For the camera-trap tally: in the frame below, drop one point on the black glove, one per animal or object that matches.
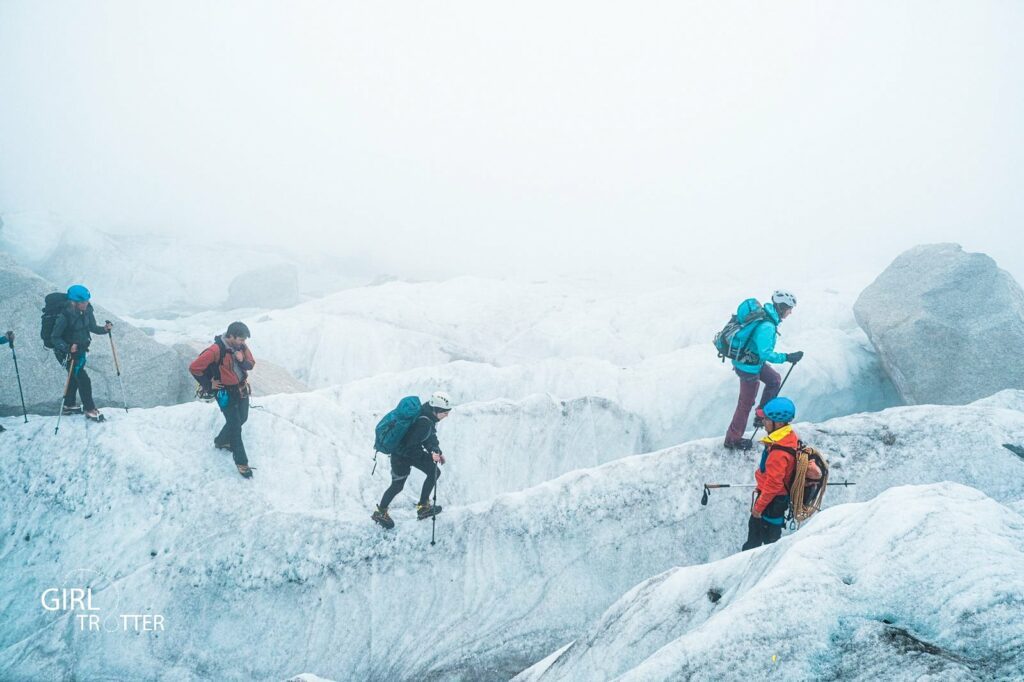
(795, 357)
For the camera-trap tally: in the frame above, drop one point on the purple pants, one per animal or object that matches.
(748, 394)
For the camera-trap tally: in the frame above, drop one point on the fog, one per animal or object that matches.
(439, 138)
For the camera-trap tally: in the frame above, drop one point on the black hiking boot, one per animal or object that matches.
(382, 517)
(71, 409)
(245, 470)
(426, 511)
(221, 446)
(741, 444)
(2, 429)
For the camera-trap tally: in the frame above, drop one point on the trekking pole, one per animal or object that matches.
(64, 398)
(117, 366)
(433, 518)
(708, 487)
(784, 379)
(372, 471)
(18, 374)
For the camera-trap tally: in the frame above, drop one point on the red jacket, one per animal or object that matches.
(775, 473)
(228, 376)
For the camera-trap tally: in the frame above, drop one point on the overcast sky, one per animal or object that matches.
(482, 137)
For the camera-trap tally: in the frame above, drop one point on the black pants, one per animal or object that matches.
(760, 532)
(235, 414)
(80, 383)
(400, 468)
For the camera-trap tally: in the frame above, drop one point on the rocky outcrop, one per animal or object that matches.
(152, 372)
(948, 325)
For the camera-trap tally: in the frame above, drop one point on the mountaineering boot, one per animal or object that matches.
(221, 446)
(2, 429)
(95, 416)
(758, 418)
(425, 511)
(741, 444)
(382, 517)
(71, 409)
(245, 470)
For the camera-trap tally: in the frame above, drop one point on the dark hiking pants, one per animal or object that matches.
(400, 468)
(80, 383)
(235, 414)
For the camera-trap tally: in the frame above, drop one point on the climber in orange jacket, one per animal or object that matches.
(774, 474)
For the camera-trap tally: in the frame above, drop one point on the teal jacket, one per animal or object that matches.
(763, 341)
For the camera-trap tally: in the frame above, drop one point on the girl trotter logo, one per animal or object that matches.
(94, 604)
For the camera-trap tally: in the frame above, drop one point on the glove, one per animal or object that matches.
(10, 336)
(795, 357)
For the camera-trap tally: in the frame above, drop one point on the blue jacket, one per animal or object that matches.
(763, 342)
(3, 339)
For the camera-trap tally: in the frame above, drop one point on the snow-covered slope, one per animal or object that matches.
(922, 582)
(291, 558)
(646, 348)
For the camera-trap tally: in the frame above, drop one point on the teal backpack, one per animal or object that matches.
(725, 340)
(391, 429)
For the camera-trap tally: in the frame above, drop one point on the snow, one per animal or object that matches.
(291, 558)
(646, 348)
(865, 591)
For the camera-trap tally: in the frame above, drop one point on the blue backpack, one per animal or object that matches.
(391, 429)
(726, 342)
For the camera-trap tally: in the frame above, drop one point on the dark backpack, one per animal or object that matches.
(212, 370)
(53, 306)
(725, 340)
(391, 429)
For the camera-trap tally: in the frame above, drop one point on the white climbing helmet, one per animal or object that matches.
(783, 297)
(440, 400)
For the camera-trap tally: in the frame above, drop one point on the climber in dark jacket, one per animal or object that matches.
(419, 448)
(71, 338)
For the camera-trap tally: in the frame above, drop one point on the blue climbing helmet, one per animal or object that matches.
(780, 410)
(77, 293)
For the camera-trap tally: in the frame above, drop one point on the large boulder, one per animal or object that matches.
(274, 286)
(948, 325)
(152, 373)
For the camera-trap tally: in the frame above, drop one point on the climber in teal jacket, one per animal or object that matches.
(758, 337)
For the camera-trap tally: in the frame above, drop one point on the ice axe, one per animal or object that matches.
(708, 487)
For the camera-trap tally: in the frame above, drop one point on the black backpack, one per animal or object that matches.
(212, 370)
(53, 306)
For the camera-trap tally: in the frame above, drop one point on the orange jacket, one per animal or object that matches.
(775, 473)
(228, 377)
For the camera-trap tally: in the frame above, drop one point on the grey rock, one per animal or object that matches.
(275, 286)
(152, 372)
(948, 325)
